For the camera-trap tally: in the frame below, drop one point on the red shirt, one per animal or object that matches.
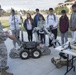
(63, 24)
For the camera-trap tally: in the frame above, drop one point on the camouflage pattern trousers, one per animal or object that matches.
(3, 55)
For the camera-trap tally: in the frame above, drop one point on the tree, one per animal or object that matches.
(59, 9)
(67, 0)
(44, 11)
(75, 2)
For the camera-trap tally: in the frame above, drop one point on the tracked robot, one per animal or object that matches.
(62, 59)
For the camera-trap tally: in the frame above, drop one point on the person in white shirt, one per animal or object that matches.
(14, 25)
(52, 21)
(29, 25)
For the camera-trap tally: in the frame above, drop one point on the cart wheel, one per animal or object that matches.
(36, 54)
(52, 60)
(13, 55)
(58, 65)
(24, 55)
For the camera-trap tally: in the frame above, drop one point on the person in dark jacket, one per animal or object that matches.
(63, 26)
(29, 25)
(36, 19)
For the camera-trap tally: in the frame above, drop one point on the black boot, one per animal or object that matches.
(5, 68)
(3, 72)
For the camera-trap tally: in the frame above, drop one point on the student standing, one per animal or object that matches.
(63, 26)
(36, 19)
(29, 25)
(41, 24)
(73, 21)
(52, 21)
(14, 26)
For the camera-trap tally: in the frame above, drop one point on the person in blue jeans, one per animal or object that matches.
(64, 26)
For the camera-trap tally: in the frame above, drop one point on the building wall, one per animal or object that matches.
(67, 4)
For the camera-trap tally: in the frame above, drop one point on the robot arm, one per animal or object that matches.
(46, 31)
(50, 34)
(35, 29)
(70, 44)
(73, 47)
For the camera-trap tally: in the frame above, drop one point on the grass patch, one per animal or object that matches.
(5, 23)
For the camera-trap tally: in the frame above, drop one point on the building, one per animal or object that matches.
(67, 4)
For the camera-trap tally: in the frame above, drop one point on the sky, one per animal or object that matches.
(29, 4)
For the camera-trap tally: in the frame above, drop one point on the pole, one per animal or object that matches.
(21, 26)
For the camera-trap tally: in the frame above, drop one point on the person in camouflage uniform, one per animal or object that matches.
(3, 50)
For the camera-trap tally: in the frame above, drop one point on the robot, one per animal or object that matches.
(47, 31)
(30, 49)
(62, 60)
(34, 49)
(59, 62)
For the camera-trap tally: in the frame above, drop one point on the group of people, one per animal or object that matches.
(50, 21)
(30, 24)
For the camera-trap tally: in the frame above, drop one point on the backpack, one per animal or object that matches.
(54, 17)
